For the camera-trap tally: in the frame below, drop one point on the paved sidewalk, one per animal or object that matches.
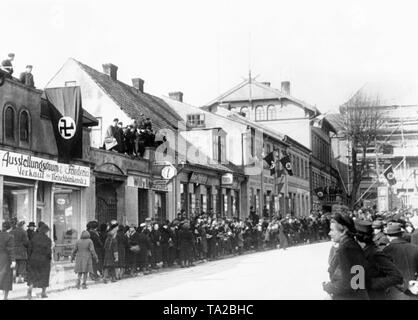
(63, 277)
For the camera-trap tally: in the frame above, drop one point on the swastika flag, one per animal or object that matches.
(390, 175)
(66, 113)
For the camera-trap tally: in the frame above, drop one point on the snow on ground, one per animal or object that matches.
(296, 273)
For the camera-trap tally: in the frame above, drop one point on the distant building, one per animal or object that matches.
(397, 140)
(278, 110)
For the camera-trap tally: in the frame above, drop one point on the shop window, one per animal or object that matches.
(17, 203)
(159, 207)
(66, 226)
(9, 123)
(24, 121)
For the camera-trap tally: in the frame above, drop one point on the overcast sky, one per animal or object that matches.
(327, 49)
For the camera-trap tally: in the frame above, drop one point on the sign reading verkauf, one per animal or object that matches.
(29, 167)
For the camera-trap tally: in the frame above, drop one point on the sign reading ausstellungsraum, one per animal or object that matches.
(30, 167)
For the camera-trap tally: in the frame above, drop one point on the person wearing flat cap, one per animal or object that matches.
(110, 253)
(379, 238)
(347, 255)
(7, 259)
(27, 77)
(404, 256)
(381, 276)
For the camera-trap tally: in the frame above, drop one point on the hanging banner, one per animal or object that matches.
(29, 167)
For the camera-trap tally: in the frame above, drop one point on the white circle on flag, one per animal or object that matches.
(288, 166)
(66, 127)
(391, 176)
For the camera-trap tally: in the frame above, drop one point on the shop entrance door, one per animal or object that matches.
(142, 205)
(106, 202)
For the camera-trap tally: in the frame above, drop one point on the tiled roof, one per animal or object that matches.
(133, 102)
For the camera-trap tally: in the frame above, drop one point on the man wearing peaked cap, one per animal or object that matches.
(379, 238)
(405, 257)
(381, 274)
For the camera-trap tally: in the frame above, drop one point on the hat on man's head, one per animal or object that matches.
(116, 119)
(29, 66)
(378, 224)
(363, 226)
(32, 224)
(21, 223)
(113, 224)
(11, 55)
(394, 229)
(6, 225)
(142, 225)
(345, 221)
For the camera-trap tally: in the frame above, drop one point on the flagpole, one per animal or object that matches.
(361, 197)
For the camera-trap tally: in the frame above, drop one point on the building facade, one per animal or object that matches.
(34, 186)
(278, 110)
(396, 144)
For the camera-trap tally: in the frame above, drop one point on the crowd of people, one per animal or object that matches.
(132, 139)
(382, 247)
(110, 251)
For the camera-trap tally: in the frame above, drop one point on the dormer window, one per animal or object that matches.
(196, 120)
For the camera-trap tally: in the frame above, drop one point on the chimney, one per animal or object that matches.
(111, 70)
(286, 87)
(138, 84)
(266, 84)
(178, 95)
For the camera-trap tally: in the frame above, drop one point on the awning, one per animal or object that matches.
(89, 120)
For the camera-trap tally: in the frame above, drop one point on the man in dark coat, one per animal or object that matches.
(186, 245)
(110, 253)
(166, 235)
(39, 257)
(253, 216)
(98, 248)
(21, 250)
(405, 257)
(31, 230)
(145, 249)
(379, 238)
(381, 273)
(348, 255)
(27, 77)
(7, 259)
(155, 236)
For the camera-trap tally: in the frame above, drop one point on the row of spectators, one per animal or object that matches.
(130, 250)
(132, 139)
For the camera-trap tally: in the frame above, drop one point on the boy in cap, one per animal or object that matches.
(379, 238)
(27, 77)
(111, 252)
(381, 273)
(7, 65)
(405, 257)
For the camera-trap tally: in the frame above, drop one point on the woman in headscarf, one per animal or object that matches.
(40, 255)
(346, 255)
(7, 259)
(83, 254)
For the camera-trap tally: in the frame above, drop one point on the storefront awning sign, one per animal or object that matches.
(138, 182)
(198, 178)
(159, 185)
(227, 179)
(30, 167)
